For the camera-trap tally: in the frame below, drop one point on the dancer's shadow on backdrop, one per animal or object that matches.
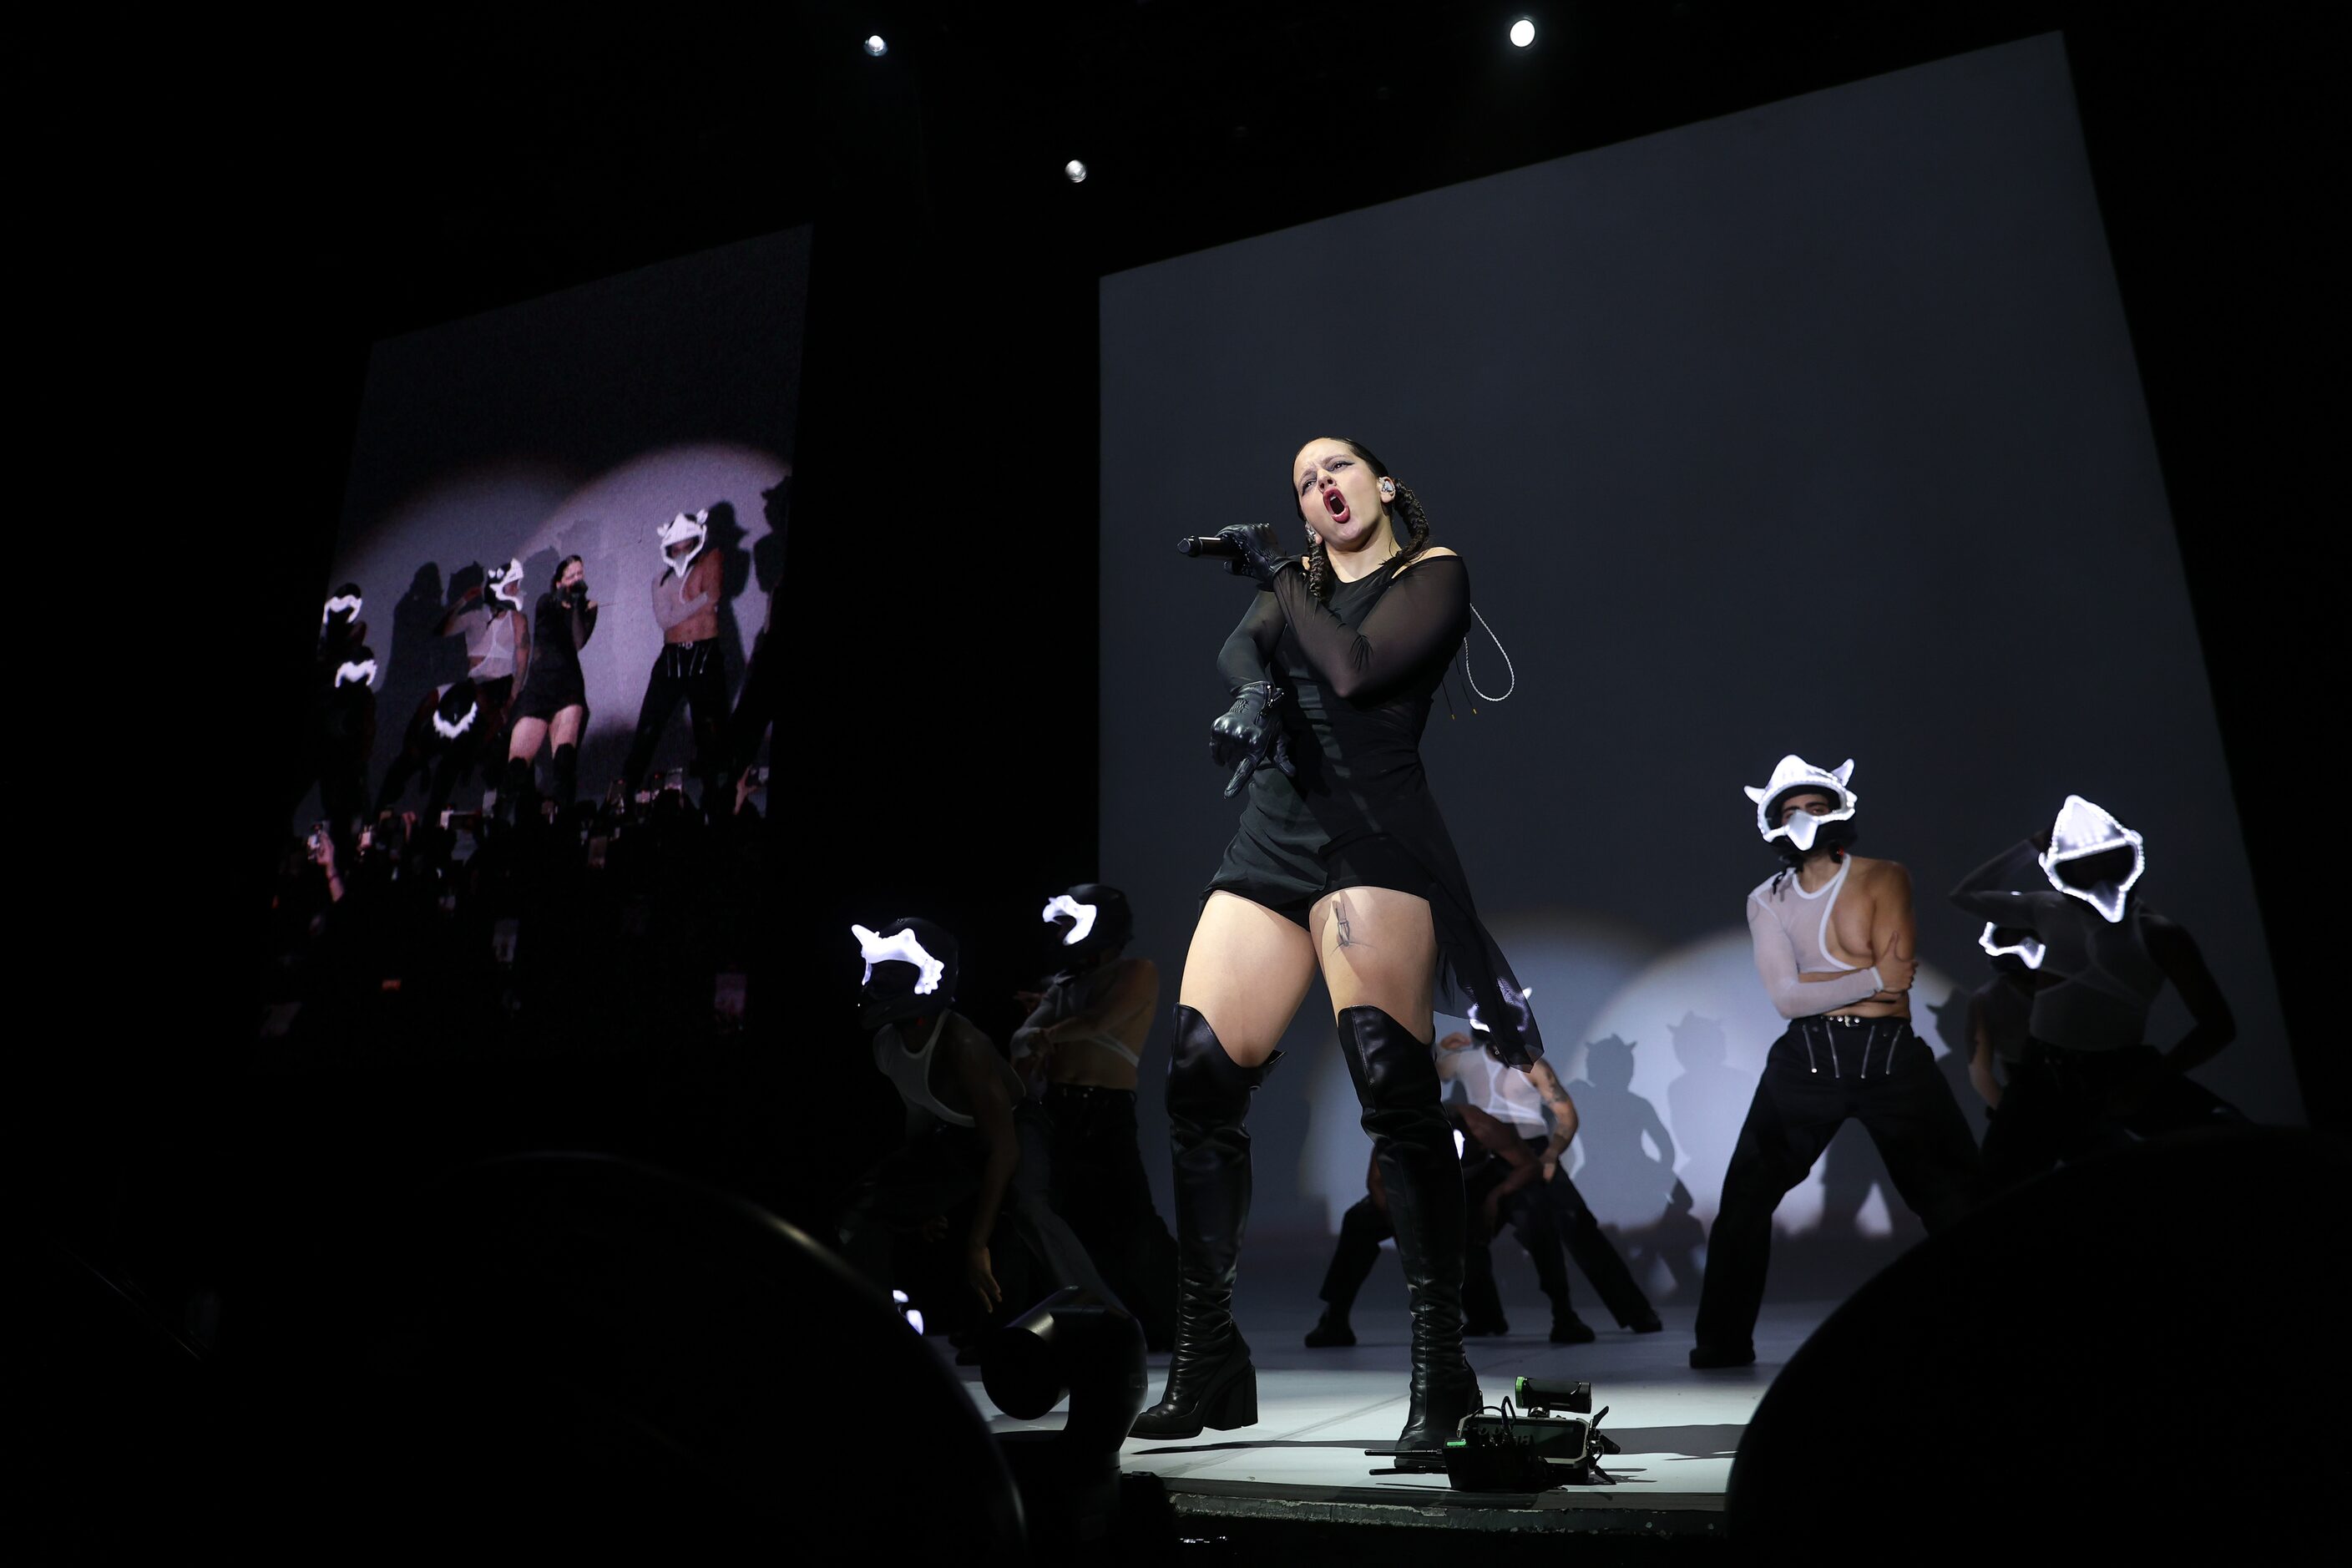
(418, 660)
(1627, 1176)
(735, 576)
(1707, 1101)
(768, 555)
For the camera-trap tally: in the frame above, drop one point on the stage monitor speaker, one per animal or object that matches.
(2137, 1349)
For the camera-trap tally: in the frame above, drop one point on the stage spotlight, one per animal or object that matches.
(1069, 1345)
(1523, 32)
(875, 45)
(1077, 170)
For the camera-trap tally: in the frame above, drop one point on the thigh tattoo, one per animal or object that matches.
(1341, 922)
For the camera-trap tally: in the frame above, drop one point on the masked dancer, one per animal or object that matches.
(1543, 1217)
(554, 702)
(1081, 1047)
(1834, 939)
(1342, 861)
(2084, 1076)
(688, 669)
(457, 726)
(343, 717)
(974, 1147)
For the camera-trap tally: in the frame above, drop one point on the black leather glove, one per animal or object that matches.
(1249, 735)
(1262, 556)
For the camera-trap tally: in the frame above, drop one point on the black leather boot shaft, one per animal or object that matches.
(1397, 1084)
(517, 793)
(1210, 1382)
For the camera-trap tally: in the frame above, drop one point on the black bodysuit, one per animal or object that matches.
(558, 632)
(1359, 675)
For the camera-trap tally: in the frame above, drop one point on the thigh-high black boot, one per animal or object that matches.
(517, 793)
(1210, 1382)
(1397, 1084)
(567, 776)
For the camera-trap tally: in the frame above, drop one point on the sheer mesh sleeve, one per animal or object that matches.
(1248, 654)
(1420, 618)
(1776, 961)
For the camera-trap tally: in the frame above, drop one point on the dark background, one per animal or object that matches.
(1814, 427)
(233, 238)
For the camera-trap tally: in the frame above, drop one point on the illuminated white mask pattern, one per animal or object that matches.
(1793, 774)
(449, 732)
(506, 583)
(2084, 829)
(693, 525)
(899, 948)
(362, 672)
(1516, 1001)
(1083, 914)
(343, 603)
(2029, 948)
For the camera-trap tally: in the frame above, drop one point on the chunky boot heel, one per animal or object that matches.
(1397, 1084)
(1210, 1382)
(1235, 1403)
(1221, 1397)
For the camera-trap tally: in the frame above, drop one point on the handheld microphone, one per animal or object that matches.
(1210, 545)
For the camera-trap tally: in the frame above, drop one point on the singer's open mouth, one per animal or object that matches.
(1336, 504)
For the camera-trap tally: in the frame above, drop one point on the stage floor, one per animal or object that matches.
(1319, 1410)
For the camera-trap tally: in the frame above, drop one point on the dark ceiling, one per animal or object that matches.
(457, 169)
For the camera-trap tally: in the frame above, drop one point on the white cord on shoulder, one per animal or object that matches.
(1508, 668)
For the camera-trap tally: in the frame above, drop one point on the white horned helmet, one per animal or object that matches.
(345, 602)
(910, 969)
(505, 583)
(685, 525)
(1794, 775)
(2087, 844)
(361, 671)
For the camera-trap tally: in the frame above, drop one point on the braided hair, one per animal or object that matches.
(1318, 560)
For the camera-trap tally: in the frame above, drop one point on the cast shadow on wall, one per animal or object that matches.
(1633, 1164)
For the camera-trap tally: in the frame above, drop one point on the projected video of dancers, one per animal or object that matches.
(563, 526)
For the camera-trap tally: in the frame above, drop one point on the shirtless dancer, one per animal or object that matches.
(686, 597)
(1079, 1051)
(1834, 941)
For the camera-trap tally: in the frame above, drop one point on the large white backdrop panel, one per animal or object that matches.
(1815, 428)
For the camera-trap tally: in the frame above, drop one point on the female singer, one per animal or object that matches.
(553, 703)
(1341, 862)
